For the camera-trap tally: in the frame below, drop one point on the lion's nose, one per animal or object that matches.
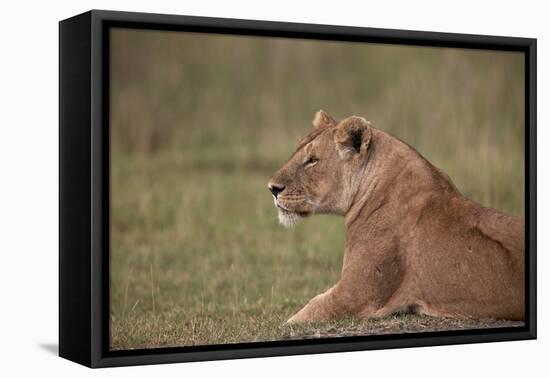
(276, 189)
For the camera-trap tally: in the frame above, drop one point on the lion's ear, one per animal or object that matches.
(322, 119)
(352, 137)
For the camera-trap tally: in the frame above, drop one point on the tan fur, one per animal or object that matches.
(413, 242)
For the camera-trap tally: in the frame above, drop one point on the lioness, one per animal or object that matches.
(414, 243)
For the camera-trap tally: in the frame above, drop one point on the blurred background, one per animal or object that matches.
(200, 122)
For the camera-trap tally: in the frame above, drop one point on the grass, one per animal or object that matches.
(197, 256)
(197, 262)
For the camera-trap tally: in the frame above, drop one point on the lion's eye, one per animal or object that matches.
(311, 161)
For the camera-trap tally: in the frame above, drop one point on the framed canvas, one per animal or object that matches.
(210, 210)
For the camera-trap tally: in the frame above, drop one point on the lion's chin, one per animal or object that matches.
(288, 219)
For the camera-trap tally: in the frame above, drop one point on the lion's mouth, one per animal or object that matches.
(288, 211)
(281, 207)
(288, 217)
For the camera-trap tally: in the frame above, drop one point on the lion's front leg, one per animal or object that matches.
(322, 307)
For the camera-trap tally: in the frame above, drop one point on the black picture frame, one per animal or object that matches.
(84, 187)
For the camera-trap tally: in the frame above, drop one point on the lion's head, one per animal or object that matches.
(323, 174)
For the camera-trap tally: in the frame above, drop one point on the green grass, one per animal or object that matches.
(197, 256)
(198, 260)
